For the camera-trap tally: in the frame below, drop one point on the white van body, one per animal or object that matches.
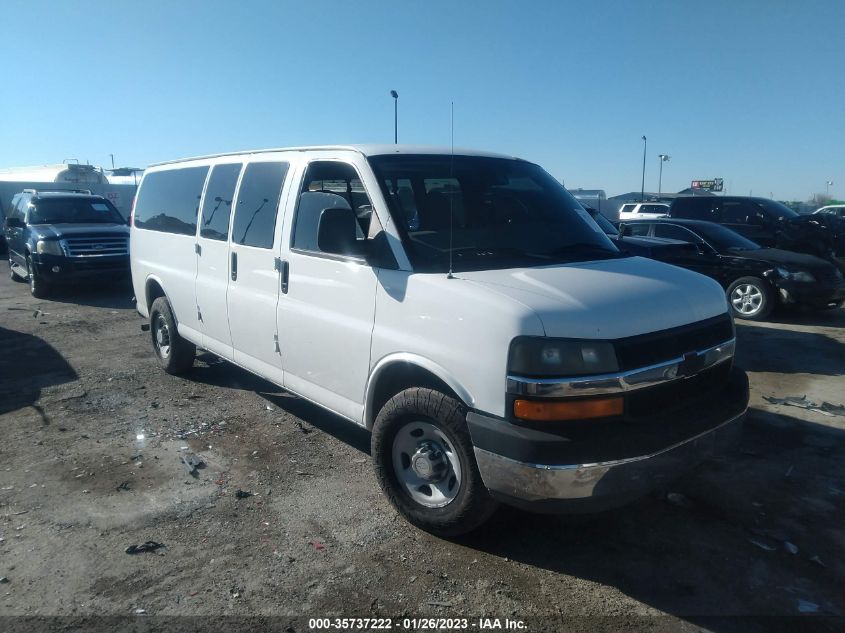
(336, 330)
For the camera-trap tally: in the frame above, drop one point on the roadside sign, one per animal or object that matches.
(714, 184)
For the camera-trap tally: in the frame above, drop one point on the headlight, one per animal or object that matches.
(800, 275)
(49, 247)
(530, 356)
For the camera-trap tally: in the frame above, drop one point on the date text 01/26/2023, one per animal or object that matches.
(415, 624)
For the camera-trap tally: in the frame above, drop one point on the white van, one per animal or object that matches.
(464, 307)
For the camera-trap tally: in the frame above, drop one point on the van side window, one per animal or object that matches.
(327, 185)
(258, 201)
(169, 200)
(217, 206)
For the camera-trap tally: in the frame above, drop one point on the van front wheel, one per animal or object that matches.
(173, 353)
(424, 462)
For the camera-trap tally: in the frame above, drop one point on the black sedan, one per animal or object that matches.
(754, 278)
(641, 246)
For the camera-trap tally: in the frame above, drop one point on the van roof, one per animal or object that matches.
(366, 150)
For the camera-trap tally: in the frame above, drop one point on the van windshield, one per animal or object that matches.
(74, 211)
(481, 213)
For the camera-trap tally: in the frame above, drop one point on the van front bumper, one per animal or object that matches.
(589, 479)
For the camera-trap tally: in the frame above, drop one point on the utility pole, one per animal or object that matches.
(663, 158)
(395, 96)
(642, 189)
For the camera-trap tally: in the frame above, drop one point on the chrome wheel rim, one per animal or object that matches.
(161, 336)
(426, 464)
(747, 299)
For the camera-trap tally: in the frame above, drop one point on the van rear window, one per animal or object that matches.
(169, 200)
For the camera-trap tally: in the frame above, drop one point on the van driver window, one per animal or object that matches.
(327, 185)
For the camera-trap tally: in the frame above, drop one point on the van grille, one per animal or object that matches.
(658, 347)
(97, 246)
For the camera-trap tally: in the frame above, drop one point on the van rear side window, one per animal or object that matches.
(258, 200)
(217, 206)
(169, 200)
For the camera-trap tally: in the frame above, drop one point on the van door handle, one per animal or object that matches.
(284, 269)
(234, 266)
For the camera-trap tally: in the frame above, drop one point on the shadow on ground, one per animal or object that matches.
(27, 365)
(116, 295)
(213, 371)
(793, 315)
(767, 349)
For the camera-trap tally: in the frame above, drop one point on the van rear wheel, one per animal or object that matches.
(424, 462)
(173, 353)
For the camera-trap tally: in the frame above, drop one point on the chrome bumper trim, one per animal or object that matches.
(675, 369)
(611, 482)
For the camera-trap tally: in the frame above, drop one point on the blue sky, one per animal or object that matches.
(753, 92)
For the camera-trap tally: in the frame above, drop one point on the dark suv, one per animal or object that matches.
(59, 236)
(766, 222)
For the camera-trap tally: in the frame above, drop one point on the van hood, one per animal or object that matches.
(608, 299)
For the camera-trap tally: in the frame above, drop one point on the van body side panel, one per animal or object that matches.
(176, 271)
(253, 287)
(326, 318)
(213, 259)
(457, 325)
(169, 258)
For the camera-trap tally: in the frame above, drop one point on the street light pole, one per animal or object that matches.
(663, 158)
(395, 96)
(642, 190)
(827, 188)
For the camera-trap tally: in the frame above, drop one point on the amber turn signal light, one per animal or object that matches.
(551, 411)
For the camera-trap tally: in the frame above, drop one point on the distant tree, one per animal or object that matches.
(820, 199)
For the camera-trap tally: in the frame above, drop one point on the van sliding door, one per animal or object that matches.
(253, 286)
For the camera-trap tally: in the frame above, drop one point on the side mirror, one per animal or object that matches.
(14, 223)
(336, 232)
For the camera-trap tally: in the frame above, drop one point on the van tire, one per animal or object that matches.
(38, 288)
(174, 354)
(759, 291)
(472, 504)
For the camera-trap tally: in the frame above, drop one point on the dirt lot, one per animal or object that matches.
(89, 465)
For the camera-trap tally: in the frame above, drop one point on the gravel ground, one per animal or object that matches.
(90, 464)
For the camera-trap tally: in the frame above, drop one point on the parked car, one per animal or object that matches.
(640, 245)
(755, 278)
(3, 250)
(631, 210)
(832, 209)
(56, 237)
(766, 222)
(480, 324)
